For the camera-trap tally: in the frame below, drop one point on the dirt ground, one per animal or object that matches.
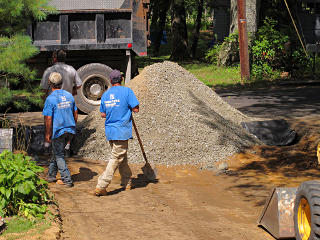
(186, 202)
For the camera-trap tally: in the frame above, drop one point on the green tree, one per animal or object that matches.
(15, 47)
(196, 33)
(179, 31)
(159, 15)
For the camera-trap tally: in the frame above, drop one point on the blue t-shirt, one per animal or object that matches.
(117, 104)
(60, 105)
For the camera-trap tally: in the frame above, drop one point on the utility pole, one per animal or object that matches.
(243, 41)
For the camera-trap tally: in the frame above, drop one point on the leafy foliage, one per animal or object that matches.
(5, 97)
(16, 48)
(12, 57)
(273, 53)
(21, 189)
(228, 51)
(16, 15)
(300, 63)
(26, 100)
(233, 38)
(191, 6)
(268, 51)
(213, 53)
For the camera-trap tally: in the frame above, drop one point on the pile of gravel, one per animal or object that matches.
(181, 121)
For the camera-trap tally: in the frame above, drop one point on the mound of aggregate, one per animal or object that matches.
(181, 121)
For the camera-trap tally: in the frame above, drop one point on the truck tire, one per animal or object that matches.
(307, 211)
(95, 81)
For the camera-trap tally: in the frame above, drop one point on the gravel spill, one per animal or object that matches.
(181, 121)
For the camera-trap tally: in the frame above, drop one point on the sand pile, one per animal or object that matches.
(181, 121)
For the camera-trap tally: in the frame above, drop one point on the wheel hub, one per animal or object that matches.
(95, 89)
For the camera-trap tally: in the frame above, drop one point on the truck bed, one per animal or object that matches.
(94, 25)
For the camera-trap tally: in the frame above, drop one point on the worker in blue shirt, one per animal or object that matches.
(117, 105)
(60, 115)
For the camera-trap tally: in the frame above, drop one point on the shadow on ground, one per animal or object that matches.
(85, 174)
(257, 170)
(139, 182)
(285, 101)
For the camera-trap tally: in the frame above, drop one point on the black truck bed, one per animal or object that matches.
(93, 25)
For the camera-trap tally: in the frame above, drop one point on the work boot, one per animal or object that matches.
(100, 192)
(60, 182)
(127, 186)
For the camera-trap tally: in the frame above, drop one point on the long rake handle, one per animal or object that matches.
(139, 140)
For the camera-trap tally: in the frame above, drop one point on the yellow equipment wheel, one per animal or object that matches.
(318, 153)
(304, 219)
(307, 211)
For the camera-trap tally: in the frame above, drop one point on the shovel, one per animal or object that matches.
(149, 173)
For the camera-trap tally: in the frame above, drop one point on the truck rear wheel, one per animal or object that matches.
(95, 81)
(307, 211)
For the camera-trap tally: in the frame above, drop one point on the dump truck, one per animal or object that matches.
(98, 36)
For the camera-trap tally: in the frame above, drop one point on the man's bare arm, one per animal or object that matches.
(75, 90)
(75, 115)
(48, 131)
(103, 115)
(135, 109)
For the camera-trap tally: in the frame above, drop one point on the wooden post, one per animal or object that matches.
(243, 41)
(128, 71)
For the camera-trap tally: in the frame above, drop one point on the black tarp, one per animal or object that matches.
(271, 132)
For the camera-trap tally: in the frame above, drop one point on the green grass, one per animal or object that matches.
(17, 227)
(19, 224)
(214, 76)
(142, 62)
(209, 74)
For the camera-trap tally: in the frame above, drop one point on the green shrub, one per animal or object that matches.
(213, 53)
(264, 72)
(272, 52)
(21, 189)
(300, 63)
(269, 55)
(234, 40)
(226, 53)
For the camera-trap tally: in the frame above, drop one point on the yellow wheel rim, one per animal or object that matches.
(318, 153)
(304, 219)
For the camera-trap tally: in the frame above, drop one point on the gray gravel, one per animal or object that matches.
(181, 121)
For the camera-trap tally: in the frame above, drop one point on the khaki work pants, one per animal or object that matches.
(118, 159)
